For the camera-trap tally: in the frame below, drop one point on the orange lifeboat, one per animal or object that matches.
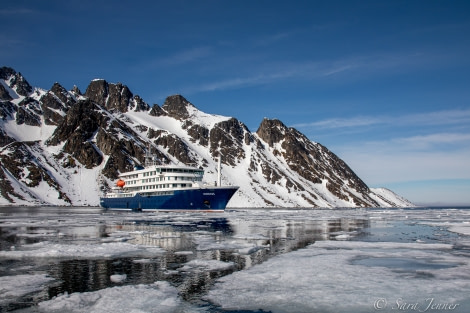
(120, 183)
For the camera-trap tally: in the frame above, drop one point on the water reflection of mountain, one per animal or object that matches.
(197, 250)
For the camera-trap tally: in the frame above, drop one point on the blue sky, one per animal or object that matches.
(383, 84)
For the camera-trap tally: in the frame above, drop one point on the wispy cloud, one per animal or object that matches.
(243, 81)
(434, 139)
(404, 159)
(358, 121)
(252, 69)
(425, 146)
(275, 38)
(447, 117)
(183, 57)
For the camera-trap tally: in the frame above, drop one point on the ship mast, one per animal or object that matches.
(150, 159)
(219, 173)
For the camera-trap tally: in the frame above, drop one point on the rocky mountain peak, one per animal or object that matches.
(114, 97)
(271, 131)
(93, 141)
(76, 91)
(17, 81)
(55, 103)
(157, 111)
(177, 107)
(6, 72)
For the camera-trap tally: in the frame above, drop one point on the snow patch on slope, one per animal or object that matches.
(387, 198)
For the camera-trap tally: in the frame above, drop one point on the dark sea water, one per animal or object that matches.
(80, 250)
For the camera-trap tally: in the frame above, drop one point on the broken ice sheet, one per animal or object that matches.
(324, 278)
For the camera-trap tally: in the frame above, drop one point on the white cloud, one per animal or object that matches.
(342, 122)
(409, 158)
(377, 168)
(447, 117)
(431, 140)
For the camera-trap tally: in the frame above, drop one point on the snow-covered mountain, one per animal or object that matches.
(60, 147)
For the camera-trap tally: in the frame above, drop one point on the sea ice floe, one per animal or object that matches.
(183, 252)
(143, 261)
(326, 277)
(154, 298)
(206, 265)
(250, 250)
(14, 286)
(91, 250)
(118, 278)
(208, 242)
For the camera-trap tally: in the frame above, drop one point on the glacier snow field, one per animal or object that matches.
(57, 259)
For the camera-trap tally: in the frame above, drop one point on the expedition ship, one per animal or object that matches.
(167, 188)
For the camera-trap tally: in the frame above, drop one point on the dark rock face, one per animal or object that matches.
(97, 91)
(119, 97)
(157, 111)
(228, 138)
(19, 160)
(139, 104)
(175, 146)
(6, 190)
(77, 129)
(176, 106)
(312, 161)
(17, 81)
(82, 117)
(6, 72)
(271, 131)
(76, 91)
(198, 133)
(55, 103)
(29, 112)
(88, 132)
(62, 94)
(114, 97)
(7, 110)
(5, 139)
(4, 94)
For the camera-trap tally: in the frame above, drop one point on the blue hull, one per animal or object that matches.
(205, 199)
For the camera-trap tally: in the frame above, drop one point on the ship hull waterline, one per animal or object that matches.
(212, 199)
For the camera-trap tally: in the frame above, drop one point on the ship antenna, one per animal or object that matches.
(150, 159)
(219, 170)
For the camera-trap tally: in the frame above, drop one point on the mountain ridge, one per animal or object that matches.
(53, 140)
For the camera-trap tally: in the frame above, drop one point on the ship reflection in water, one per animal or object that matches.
(196, 250)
